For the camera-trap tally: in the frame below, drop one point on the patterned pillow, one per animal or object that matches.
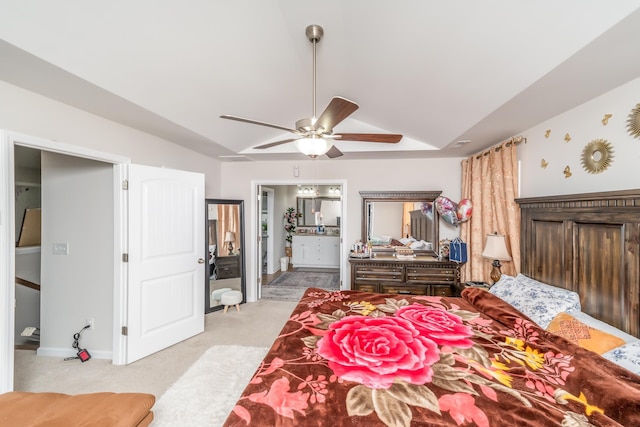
(539, 301)
(627, 356)
(583, 335)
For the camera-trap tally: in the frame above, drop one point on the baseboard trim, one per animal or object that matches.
(65, 352)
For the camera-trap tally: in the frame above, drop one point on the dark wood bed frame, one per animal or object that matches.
(588, 243)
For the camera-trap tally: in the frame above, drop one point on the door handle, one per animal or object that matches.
(200, 261)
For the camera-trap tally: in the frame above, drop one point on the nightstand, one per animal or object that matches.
(228, 266)
(473, 284)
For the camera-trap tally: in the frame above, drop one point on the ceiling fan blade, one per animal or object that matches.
(255, 122)
(334, 152)
(338, 109)
(273, 144)
(389, 138)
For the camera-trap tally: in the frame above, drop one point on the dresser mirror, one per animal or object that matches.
(394, 218)
(225, 247)
(316, 211)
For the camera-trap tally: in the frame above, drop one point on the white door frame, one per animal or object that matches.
(7, 238)
(271, 261)
(254, 212)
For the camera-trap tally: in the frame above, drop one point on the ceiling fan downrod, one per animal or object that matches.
(314, 34)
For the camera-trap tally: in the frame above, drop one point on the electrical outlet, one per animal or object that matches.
(90, 322)
(61, 249)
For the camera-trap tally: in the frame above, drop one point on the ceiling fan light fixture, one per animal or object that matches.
(314, 146)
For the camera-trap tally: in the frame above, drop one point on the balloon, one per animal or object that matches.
(444, 205)
(452, 212)
(464, 210)
(447, 209)
(427, 209)
(450, 217)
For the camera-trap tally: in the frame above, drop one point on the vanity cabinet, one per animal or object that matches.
(316, 251)
(421, 276)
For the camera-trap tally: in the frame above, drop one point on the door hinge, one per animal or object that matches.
(125, 257)
(125, 331)
(125, 184)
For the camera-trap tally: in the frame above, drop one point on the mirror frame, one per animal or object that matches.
(401, 196)
(241, 256)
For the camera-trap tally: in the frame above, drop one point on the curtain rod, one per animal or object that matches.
(515, 140)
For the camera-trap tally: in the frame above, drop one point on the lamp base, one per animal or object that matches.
(230, 248)
(495, 271)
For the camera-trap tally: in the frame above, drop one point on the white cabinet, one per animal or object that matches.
(316, 251)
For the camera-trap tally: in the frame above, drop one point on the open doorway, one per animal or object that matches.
(315, 244)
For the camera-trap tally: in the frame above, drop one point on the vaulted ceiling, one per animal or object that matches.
(437, 72)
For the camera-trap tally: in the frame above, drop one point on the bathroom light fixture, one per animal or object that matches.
(313, 146)
(495, 248)
(229, 238)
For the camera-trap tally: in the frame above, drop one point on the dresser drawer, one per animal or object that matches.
(443, 290)
(366, 287)
(430, 275)
(366, 274)
(391, 288)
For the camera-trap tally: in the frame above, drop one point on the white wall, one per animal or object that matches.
(360, 175)
(77, 286)
(31, 114)
(583, 124)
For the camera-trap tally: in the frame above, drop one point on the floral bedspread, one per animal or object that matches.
(351, 358)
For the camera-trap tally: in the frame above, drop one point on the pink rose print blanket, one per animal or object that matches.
(352, 358)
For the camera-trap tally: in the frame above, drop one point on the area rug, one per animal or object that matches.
(208, 391)
(290, 286)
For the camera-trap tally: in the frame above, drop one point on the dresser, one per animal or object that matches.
(424, 275)
(228, 266)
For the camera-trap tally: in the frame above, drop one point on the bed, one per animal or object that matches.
(350, 358)
(519, 354)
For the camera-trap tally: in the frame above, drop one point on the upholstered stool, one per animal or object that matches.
(230, 298)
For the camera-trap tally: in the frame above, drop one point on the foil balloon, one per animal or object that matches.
(447, 209)
(450, 217)
(427, 209)
(464, 210)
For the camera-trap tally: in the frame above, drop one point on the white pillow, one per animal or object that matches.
(627, 356)
(539, 301)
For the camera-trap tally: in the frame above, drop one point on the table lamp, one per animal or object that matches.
(495, 248)
(229, 238)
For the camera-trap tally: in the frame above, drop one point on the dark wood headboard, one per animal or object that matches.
(588, 243)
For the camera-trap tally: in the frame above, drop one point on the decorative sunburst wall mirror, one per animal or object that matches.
(633, 122)
(597, 156)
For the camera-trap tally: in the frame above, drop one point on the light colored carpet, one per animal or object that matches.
(257, 324)
(290, 286)
(207, 392)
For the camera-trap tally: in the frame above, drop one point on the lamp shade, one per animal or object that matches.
(230, 236)
(313, 147)
(496, 248)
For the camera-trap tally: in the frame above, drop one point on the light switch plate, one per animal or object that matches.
(61, 249)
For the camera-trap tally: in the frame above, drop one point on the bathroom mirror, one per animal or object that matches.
(319, 211)
(225, 269)
(391, 217)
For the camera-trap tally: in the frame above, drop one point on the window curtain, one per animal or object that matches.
(406, 231)
(490, 181)
(228, 220)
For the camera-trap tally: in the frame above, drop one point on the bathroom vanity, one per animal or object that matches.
(316, 250)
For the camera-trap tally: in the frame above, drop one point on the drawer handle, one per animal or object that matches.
(404, 292)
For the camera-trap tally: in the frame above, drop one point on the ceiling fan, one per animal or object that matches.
(315, 135)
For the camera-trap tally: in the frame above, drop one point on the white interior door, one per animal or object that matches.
(165, 296)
